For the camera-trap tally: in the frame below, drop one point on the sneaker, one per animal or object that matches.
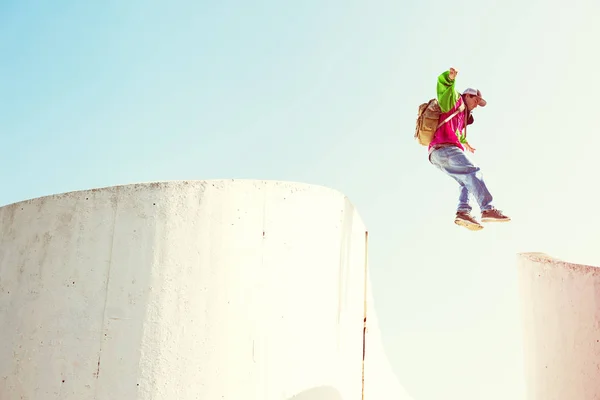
(465, 219)
(494, 215)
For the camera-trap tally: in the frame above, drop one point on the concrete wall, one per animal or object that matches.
(561, 317)
(222, 290)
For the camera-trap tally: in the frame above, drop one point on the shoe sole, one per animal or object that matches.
(495, 220)
(469, 225)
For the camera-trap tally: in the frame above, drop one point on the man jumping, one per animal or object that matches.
(446, 151)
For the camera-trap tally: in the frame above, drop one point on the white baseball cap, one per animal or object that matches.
(476, 92)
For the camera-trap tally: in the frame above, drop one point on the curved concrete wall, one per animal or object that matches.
(561, 317)
(225, 289)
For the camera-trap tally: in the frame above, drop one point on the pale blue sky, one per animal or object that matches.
(326, 92)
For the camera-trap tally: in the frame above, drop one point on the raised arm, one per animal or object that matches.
(447, 95)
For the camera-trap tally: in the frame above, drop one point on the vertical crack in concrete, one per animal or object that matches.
(110, 262)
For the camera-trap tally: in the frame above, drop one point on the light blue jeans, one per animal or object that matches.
(453, 161)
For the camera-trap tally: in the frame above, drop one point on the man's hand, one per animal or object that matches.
(469, 148)
(453, 73)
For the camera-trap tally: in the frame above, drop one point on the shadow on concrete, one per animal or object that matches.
(318, 393)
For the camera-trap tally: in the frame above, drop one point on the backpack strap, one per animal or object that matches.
(461, 108)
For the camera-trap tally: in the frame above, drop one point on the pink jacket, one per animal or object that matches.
(452, 132)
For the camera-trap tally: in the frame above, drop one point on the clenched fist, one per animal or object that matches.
(453, 73)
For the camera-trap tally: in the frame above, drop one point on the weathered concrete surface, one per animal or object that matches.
(561, 317)
(224, 289)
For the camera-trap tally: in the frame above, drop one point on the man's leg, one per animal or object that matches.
(463, 199)
(455, 163)
(463, 211)
(463, 170)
